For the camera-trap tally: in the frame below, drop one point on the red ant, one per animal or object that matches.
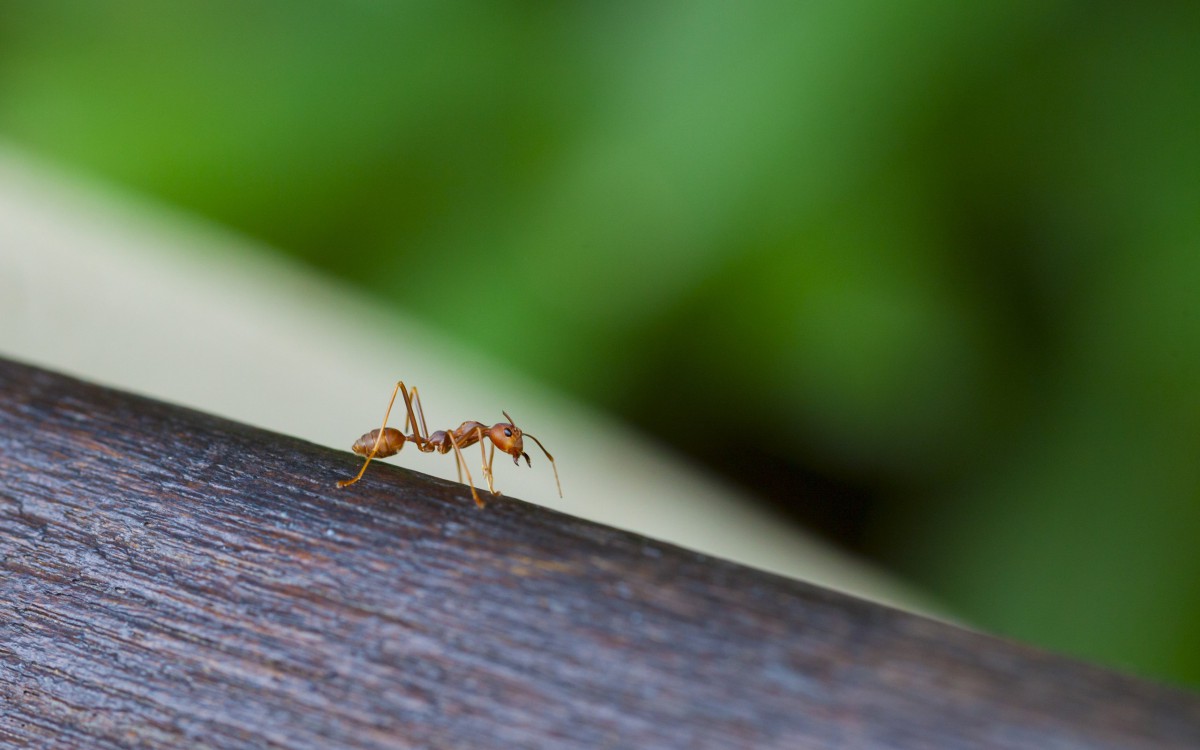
(387, 441)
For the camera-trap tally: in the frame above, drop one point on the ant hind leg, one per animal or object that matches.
(378, 440)
(420, 410)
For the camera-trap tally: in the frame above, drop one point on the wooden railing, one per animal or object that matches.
(171, 579)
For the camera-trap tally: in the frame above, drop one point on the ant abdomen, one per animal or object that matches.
(390, 445)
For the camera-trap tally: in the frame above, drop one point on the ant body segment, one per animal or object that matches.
(388, 441)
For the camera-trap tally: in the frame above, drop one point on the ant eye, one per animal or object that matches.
(507, 432)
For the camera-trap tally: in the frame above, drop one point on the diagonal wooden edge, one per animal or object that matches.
(174, 579)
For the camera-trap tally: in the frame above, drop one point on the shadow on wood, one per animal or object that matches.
(174, 579)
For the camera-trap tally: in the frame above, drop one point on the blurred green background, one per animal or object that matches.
(921, 275)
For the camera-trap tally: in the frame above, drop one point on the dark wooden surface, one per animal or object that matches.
(171, 579)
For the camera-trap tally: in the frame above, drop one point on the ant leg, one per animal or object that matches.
(487, 465)
(422, 441)
(416, 398)
(379, 439)
(491, 457)
(462, 463)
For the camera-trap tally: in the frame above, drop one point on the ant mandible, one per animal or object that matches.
(387, 441)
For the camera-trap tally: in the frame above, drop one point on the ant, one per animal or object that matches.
(387, 441)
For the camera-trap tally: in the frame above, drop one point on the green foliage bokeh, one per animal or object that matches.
(946, 251)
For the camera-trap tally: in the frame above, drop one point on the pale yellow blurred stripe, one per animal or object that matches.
(117, 291)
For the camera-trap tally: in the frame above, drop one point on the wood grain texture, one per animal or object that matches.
(171, 579)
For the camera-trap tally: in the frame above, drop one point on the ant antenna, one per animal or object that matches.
(539, 442)
(552, 464)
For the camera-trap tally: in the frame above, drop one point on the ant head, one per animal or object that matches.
(507, 437)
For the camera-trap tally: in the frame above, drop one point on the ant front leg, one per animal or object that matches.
(487, 460)
(491, 458)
